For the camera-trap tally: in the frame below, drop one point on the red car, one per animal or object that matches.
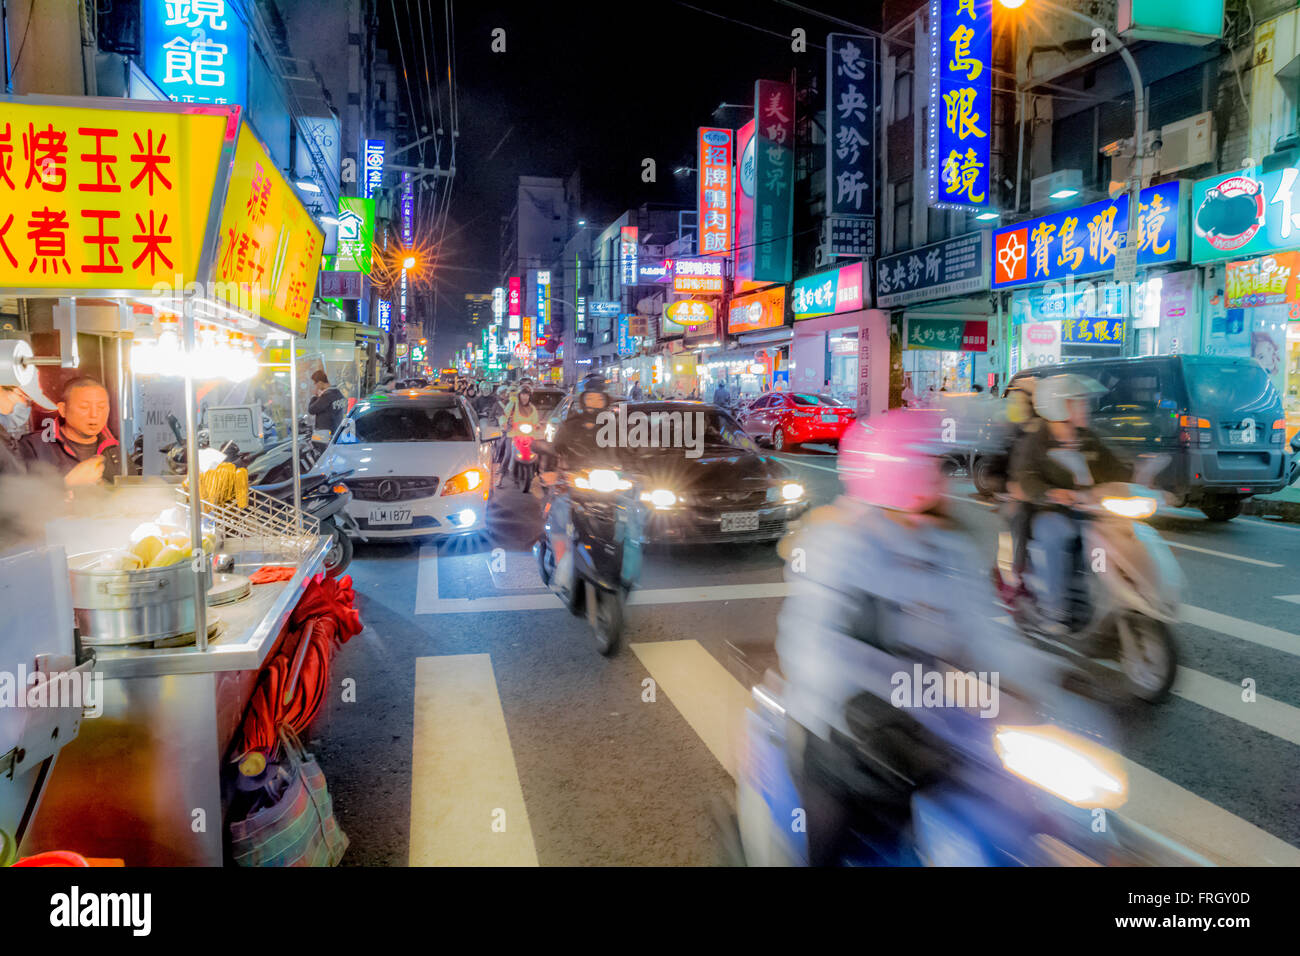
(787, 419)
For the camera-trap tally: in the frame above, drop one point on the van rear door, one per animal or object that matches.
(1239, 401)
(1138, 413)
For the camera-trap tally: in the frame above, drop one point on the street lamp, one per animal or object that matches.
(1139, 101)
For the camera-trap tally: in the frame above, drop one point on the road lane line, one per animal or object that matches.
(548, 601)
(806, 464)
(1279, 525)
(971, 501)
(711, 700)
(1223, 697)
(463, 770)
(1223, 554)
(1260, 634)
(426, 580)
(1293, 598)
(1200, 825)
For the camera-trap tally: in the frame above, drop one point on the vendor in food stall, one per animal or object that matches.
(80, 446)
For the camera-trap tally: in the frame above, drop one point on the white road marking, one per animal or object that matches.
(1279, 525)
(713, 703)
(1293, 598)
(467, 806)
(971, 501)
(1223, 697)
(704, 693)
(1223, 554)
(806, 464)
(1260, 634)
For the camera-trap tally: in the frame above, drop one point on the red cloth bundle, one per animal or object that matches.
(324, 618)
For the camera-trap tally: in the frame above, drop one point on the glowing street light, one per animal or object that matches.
(408, 262)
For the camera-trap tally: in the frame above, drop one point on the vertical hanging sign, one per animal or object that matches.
(851, 124)
(745, 230)
(773, 180)
(716, 193)
(961, 102)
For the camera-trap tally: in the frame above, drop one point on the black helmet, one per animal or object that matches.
(592, 382)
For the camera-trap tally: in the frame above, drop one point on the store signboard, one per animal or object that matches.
(1087, 300)
(516, 299)
(385, 315)
(340, 285)
(698, 275)
(941, 270)
(851, 62)
(97, 199)
(627, 256)
(849, 236)
(773, 181)
(1093, 331)
(269, 245)
(961, 103)
(625, 344)
(758, 310)
(716, 194)
(374, 167)
(603, 308)
(356, 234)
(948, 335)
(498, 304)
(746, 164)
(197, 52)
(1194, 22)
(1268, 280)
(1244, 213)
(826, 293)
(1084, 241)
(689, 312)
(655, 270)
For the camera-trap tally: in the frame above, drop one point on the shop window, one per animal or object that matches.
(903, 87)
(903, 216)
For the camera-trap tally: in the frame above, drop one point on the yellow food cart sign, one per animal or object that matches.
(105, 199)
(269, 249)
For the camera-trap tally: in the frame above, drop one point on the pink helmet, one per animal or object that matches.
(892, 462)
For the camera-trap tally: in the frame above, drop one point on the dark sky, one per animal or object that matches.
(596, 87)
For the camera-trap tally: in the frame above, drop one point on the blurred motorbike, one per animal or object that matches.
(1123, 609)
(1014, 791)
(523, 460)
(589, 552)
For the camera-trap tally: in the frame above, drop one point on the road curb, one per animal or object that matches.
(1272, 508)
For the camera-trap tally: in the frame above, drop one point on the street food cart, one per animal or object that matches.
(174, 219)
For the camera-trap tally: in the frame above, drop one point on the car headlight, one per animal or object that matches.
(791, 491)
(467, 480)
(1136, 507)
(1076, 770)
(601, 479)
(660, 498)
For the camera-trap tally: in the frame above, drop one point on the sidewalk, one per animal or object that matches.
(1285, 504)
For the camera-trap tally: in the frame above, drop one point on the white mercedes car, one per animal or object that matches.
(420, 463)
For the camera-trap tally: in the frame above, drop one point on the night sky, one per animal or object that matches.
(596, 87)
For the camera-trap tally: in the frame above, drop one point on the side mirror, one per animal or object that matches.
(1295, 443)
(489, 431)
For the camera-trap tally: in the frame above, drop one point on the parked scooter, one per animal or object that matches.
(326, 499)
(1126, 590)
(589, 552)
(1008, 792)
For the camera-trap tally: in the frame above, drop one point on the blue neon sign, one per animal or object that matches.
(961, 102)
(195, 50)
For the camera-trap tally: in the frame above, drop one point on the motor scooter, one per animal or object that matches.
(589, 551)
(1016, 791)
(1125, 591)
(522, 463)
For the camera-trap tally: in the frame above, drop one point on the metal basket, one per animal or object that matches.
(267, 524)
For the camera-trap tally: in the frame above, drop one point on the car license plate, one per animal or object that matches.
(1237, 437)
(740, 521)
(390, 515)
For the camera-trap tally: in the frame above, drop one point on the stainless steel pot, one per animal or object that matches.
(130, 607)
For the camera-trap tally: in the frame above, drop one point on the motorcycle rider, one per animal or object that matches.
(889, 581)
(520, 411)
(1019, 511)
(1061, 402)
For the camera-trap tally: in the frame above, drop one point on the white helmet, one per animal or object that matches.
(1052, 394)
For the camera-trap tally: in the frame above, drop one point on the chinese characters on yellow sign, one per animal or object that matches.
(269, 249)
(101, 199)
(961, 95)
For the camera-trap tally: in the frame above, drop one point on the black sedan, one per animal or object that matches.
(703, 479)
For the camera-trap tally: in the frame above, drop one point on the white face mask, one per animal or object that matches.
(16, 421)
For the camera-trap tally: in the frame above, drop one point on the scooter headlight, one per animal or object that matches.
(1064, 764)
(1136, 507)
(526, 428)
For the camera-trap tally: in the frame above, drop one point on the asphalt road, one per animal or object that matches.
(487, 730)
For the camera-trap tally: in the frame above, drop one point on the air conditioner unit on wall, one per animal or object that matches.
(1184, 143)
